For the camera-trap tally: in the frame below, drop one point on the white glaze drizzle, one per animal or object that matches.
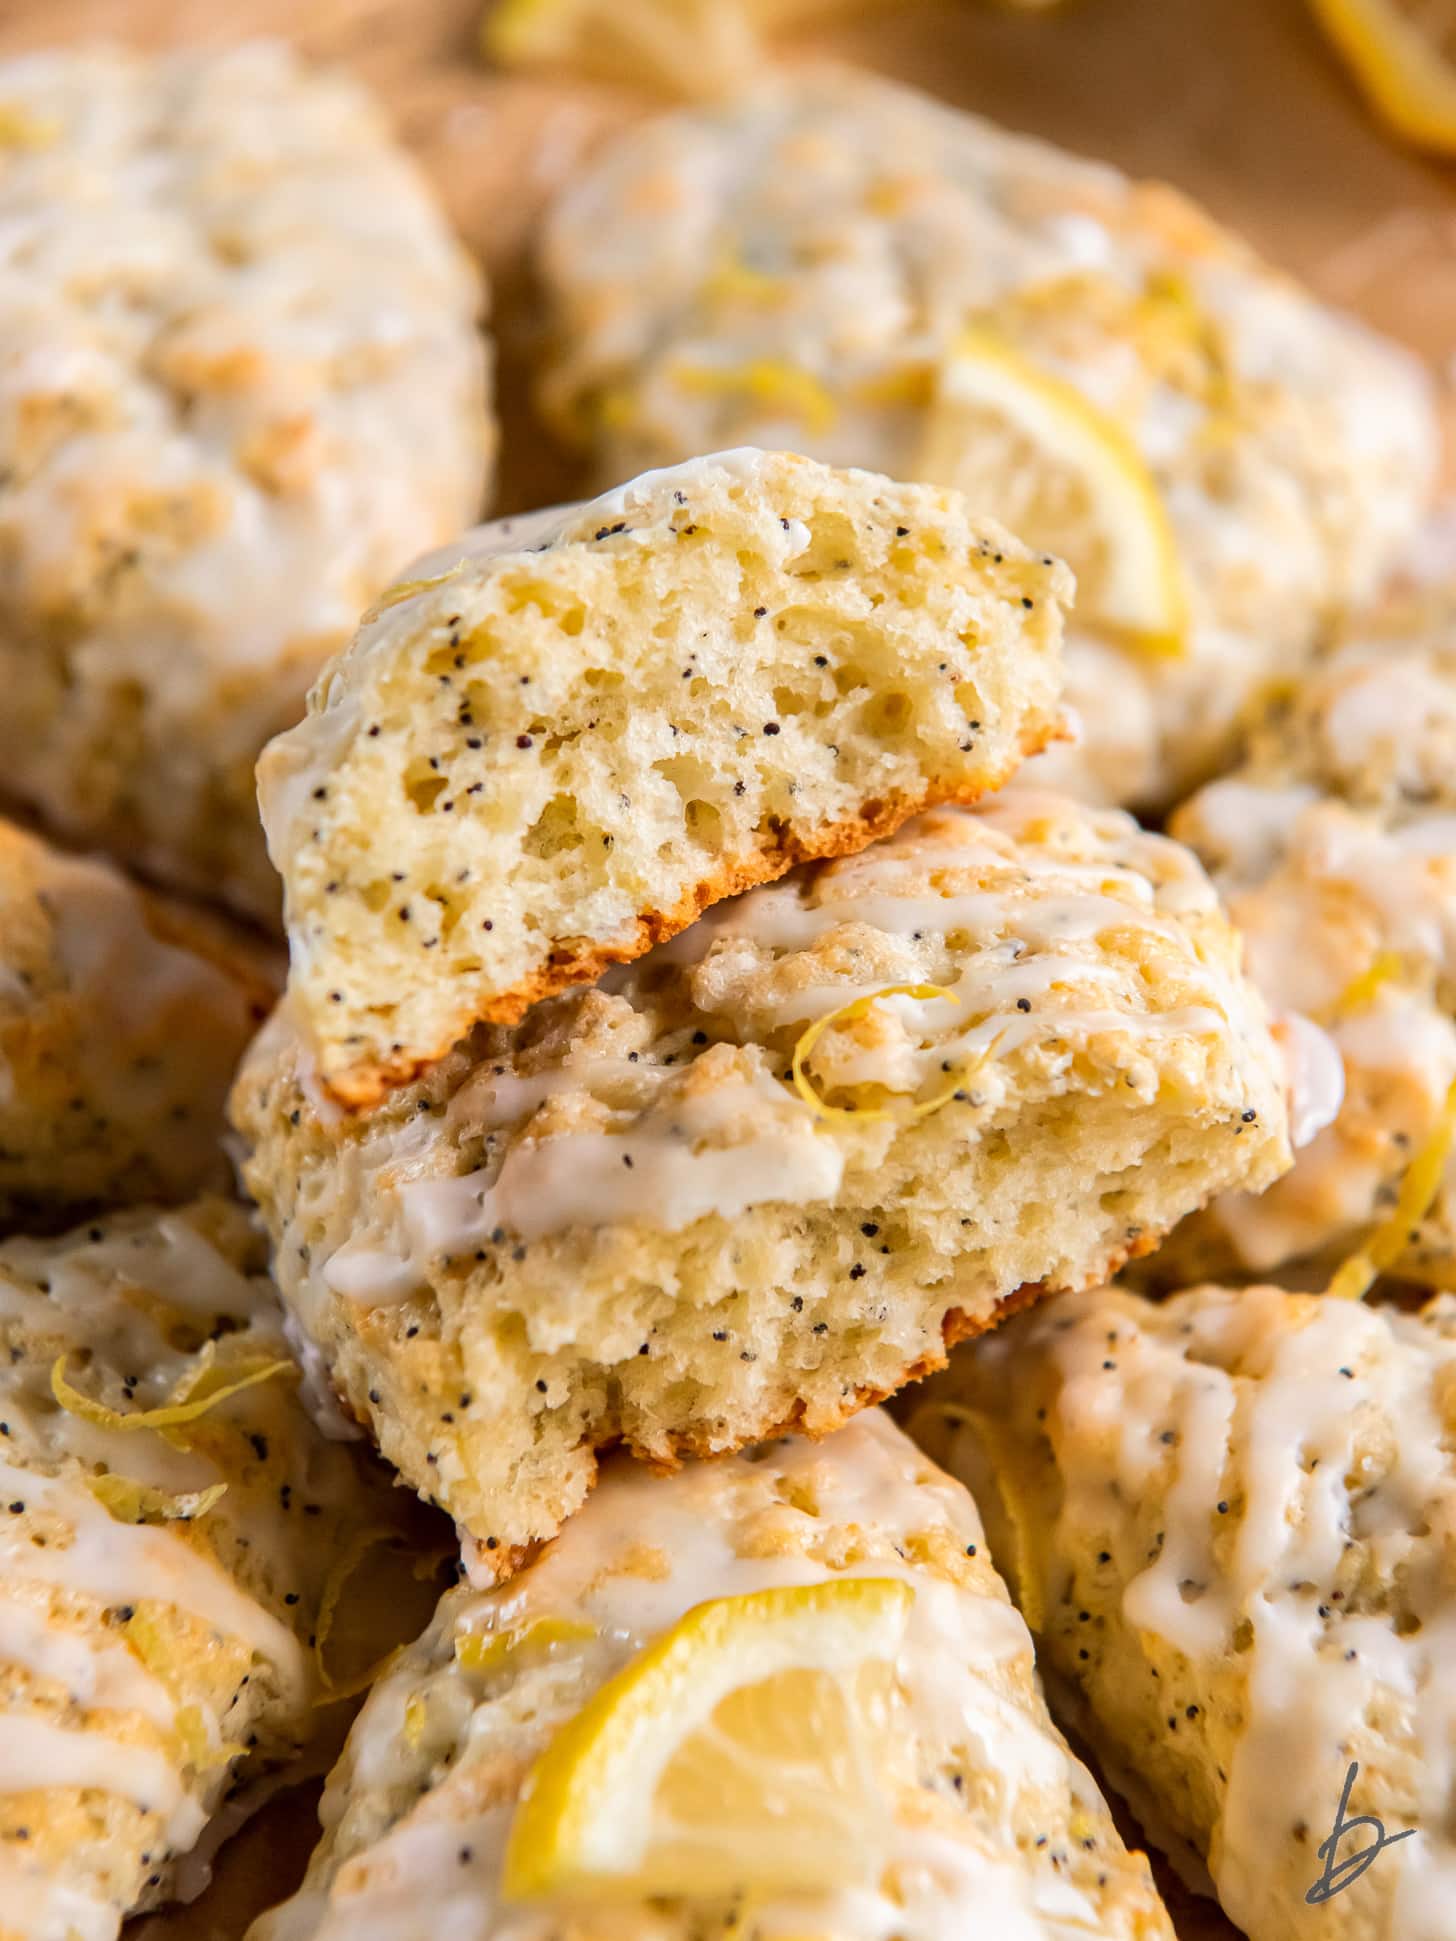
(669, 1159)
(1338, 1400)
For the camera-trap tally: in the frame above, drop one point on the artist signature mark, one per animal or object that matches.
(1340, 1874)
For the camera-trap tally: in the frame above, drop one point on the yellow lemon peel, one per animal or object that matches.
(190, 1726)
(171, 1414)
(131, 1502)
(483, 1652)
(1360, 992)
(416, 1714)
(402, 590)
(846, 1014)
(767, 381)
(21, 128)
(1355, 1276)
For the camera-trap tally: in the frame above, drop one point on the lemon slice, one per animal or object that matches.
(1403, 55)
(732, 1754)
(1029, 449)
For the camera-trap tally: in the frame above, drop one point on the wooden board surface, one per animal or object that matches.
(1236, 101)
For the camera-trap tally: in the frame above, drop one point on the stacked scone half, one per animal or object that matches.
(689, 1036)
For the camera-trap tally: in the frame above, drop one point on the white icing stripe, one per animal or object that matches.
(40, 1754)
(130, 1562)
(96, 1674)
(1348, 1393)
(42, 1908)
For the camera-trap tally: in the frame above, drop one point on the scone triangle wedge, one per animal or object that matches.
(554, 745)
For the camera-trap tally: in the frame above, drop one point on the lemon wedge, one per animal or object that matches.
(1029, 449)
(1404, 62)
(732, 1754)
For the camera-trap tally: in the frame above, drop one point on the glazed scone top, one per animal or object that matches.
(162, 1586)
(1254, 1492)
(989, 1817)
(1049, 949)
(792, 268)
(121, 1020)
(234, 384)
(1335, 845)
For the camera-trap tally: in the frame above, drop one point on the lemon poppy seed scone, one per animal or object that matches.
(175, 1539)
(1335, 848)
(782, 1693)
(867, 275)
(240, 384)
(122, 1019)
(766, 1173)
(560, 741)
(1230, 1520)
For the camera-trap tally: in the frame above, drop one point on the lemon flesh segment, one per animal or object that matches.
(1408, 76)
(733, 1754)
(1030, 450)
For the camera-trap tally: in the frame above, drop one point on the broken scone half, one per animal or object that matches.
(765, 1174)
(791, 1677)
(180, 1552)
(1230, 1520)
(564, 739)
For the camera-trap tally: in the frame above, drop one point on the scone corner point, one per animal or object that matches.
(561, 741)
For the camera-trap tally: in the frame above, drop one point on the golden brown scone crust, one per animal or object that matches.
(622, 1220)
(990, 1818)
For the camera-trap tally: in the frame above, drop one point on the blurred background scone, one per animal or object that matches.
(570, 734)
(122, 1019)
(849, 1736)
(177, 1541)
(1230, 1521)
(1334, 845)
(766, 1173)
(858, 272)
(240, 384)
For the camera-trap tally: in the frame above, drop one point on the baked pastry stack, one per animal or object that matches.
(696, 1025)
(768, 1171)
